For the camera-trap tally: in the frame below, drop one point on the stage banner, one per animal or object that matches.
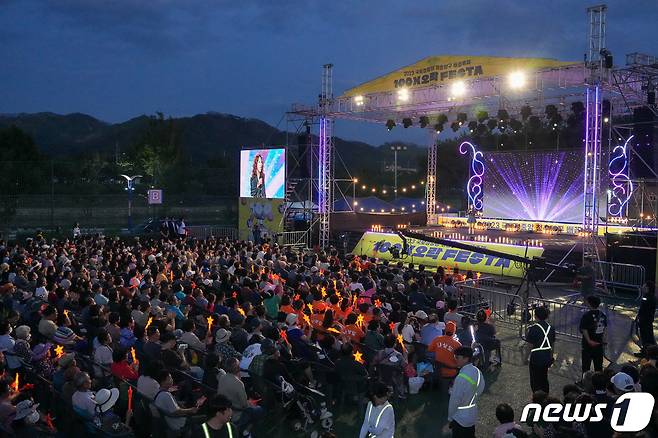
(260, 216)
(432, 255)
(436, 70)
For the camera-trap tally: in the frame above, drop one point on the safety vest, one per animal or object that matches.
(206, 430)
(379, 417)
(546, 343)
(475, 390)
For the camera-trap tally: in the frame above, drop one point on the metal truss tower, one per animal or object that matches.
(430, 193)
(325, 158)
(597, 79)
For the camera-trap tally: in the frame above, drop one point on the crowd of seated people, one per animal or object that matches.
(112, 336)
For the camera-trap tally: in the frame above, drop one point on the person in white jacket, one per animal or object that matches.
(464, 395)
(379, 421)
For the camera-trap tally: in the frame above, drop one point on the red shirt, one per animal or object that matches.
(123, 371)
(354, 333)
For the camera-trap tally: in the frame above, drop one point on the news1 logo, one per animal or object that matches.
(630, 413)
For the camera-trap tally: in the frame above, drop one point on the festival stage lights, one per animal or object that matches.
(355, 180)
(358, 100)
(390, 124)
(458, 88)
(363, 187)
(374, 190)
(517, 80)
(476, 175)
(424, 121)
(407, 122)
(438, 128)
(606, 120)
(403, 95)
(355, 203)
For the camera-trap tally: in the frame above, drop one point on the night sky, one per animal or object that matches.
(116, 59)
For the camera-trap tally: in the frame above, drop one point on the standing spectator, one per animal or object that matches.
(467, 388)
(586, 277)
(593, 325)
(646, 316)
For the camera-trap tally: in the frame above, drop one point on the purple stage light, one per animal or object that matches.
(547, 188)
(621, 186)
(474, 184)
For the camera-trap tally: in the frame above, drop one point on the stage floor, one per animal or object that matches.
(556, 246)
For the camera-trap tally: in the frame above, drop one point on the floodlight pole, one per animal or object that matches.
(395, 150)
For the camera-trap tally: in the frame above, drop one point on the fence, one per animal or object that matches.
(512, 310)
(620, 276)
(203, 232)
(295, 239)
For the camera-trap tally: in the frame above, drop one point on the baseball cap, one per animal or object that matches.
(623, 382)
(451, 328)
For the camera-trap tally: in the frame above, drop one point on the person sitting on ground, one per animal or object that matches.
(218, 425)
(505, 416)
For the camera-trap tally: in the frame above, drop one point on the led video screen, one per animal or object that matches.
(542, 186)
(263, 173)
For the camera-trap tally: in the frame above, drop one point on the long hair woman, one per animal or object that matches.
(258, 177)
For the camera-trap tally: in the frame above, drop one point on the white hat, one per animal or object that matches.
(291, 318)
(623, 382)
(106, 398)
(420, 314)
(27, 409)
(207, 282)
(222, 335)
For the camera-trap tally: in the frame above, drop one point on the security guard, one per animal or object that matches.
(466, 390)
(379, 421)
(593, 325)
(541, 337)
(218, 424)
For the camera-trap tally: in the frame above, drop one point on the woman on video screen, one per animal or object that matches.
(258, 178)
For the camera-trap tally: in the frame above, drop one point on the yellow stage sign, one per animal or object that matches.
(431, 254)
(436, 70)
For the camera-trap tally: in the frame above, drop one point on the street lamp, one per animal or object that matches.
(130, 188)
(395, 150)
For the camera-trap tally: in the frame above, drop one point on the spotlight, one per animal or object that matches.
(413, 187)
(374, 190)
(424, 121)
(403, 95)
(384, 191)
(356, 203)
(407, 122)
(358, 100)
(363, 187)
(438, 128)
(517, 80)
(458, 88)
(390, 124)
(606, 120)
(355, 180)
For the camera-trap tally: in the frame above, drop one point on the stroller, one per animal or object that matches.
(304, 407)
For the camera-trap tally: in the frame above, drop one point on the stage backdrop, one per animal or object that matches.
(432, 254)
(436, 70)
(267, 213)
(539, 186)
(271, 182)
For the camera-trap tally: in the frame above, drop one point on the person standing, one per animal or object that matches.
(586, 277)
(467, 388)
(645, 317)
(593, 325)
(541, 336)
(379, 421)
(471, 220)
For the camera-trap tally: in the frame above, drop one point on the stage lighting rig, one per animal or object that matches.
(517, 80)
(424, 121)
(407, 122)
(390, 124)
(438, 128)
(458, 89)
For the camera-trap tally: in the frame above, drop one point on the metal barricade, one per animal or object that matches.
(295, 239)
(620, 276)
(203, 232)
(512, 310)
